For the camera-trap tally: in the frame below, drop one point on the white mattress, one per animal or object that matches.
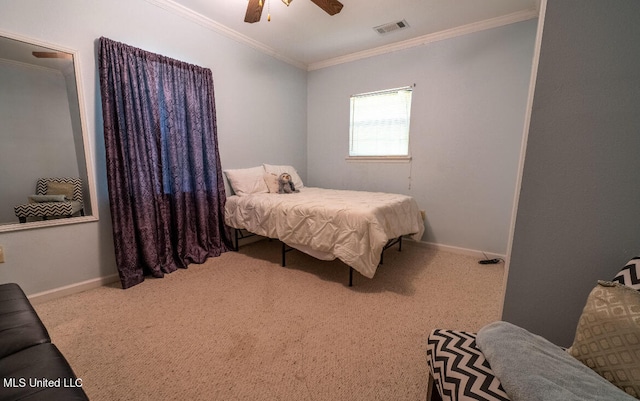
(353, 226)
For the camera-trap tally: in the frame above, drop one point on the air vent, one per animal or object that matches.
(393, 26)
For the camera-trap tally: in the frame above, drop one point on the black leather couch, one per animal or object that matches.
(31, 367)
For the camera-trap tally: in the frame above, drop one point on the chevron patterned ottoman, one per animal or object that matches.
(458, 371)
(72, 202)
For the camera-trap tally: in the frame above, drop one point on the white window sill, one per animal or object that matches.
(378, 159)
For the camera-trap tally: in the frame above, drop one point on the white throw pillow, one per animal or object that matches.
(272, 182)
(246, 181)
(277, 170)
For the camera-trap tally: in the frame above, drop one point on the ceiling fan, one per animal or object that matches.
(254, 9)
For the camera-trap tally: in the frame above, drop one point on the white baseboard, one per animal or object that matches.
(101, 281)
(72, 289)
(454, 249)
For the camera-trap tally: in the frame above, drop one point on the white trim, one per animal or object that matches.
(523, 147)
(72, 289)
(208, 23)
(86, 142)
(454, 249)
(430, 38)
(106, 280)
(46, 223)
(378, 159)
(37, 42)
(386, 91)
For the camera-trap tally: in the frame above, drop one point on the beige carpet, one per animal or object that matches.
(240, 327)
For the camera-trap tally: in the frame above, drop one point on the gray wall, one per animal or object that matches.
(261, 113)
(36, 131)
(467, 122)
(579, 206)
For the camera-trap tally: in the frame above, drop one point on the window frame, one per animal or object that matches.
(386, 157)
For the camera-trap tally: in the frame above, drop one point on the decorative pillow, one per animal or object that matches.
(46, 198)
(277, 170)
(60, 188)
(247, 181)
(629, 274)
(272, 182)
(608, 335)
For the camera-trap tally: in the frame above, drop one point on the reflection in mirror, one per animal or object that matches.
(42, 134)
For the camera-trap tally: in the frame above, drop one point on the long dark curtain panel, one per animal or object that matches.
(166, 190)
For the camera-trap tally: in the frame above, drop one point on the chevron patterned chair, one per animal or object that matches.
(54, 197)
(459, 371)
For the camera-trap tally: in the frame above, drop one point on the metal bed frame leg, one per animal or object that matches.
(389, 244)
(240, 235)
(284, 262)
(284, 252)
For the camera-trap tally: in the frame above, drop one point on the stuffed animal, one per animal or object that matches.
(285, 184)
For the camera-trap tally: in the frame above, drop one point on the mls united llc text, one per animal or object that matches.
(20, 382)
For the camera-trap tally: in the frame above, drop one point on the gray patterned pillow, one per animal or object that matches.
(608, 335)
(629, 274)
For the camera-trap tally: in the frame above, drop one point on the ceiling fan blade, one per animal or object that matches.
(52, 55)
(331, 7)
(254, 11)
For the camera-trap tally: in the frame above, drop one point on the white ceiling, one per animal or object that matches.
(304, 35)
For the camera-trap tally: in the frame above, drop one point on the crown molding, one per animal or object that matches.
(430, 38)
(217, 27)
(208, 23)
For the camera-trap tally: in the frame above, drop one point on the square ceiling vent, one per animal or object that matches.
(390, 27)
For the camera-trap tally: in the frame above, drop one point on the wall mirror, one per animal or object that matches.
(42, 130)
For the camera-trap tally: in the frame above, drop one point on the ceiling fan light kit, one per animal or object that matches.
(254, 8)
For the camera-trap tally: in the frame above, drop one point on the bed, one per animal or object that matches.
(352, 226)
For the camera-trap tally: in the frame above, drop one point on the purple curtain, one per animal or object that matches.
(166, 190)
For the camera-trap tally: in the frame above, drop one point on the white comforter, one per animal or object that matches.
(353, 226)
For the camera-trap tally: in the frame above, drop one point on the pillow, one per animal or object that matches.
(629, 274)
(608, 335)
(60, 188)
(277, 170)
(272, 182)
(46, 198)
(247, 181)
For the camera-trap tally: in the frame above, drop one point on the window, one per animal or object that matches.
(380, 123)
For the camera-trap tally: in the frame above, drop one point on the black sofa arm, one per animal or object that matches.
(31, 367)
